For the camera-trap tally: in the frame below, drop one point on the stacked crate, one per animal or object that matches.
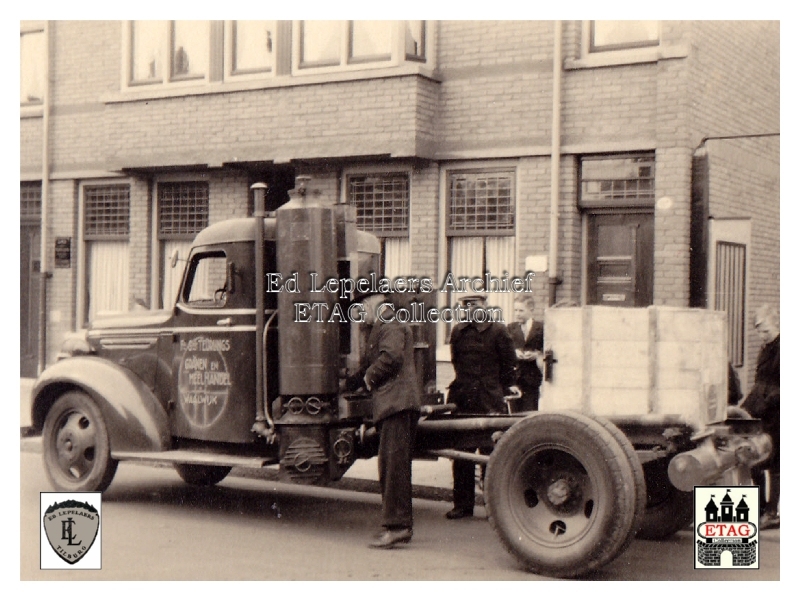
(657, 360)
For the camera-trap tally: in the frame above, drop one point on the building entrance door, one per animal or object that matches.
(29, 267)
(620, 259)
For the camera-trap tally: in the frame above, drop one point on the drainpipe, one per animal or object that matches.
(555, 167)
(44, 265)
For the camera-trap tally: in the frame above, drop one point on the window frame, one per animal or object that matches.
(81, 251)
(34, 28)
(346, 62)
(634, 202)
(592, 48)
(480, 232)
(168, 78)
(393, 172)
(233, 74)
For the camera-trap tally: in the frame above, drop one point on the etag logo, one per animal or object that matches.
(726, 534)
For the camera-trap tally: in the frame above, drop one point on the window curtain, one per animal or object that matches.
(397, 257)
(466, 260)
(108, 278)
(172, 277)
(500, 257)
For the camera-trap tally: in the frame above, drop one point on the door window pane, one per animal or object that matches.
(190, 48)
(147, 38)
(253, 45)
(321, 42)
(371, 40)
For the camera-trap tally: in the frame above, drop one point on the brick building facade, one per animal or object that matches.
(442, 135)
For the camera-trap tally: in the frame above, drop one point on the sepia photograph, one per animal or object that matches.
(464, 300)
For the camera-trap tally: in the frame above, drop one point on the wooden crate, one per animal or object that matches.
(657, 360)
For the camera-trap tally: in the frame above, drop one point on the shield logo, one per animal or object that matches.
(71, 528)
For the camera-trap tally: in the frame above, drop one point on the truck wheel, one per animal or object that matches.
(640, 504)
(202, 474)
(560, 492)
(76, 450)
(668, 509)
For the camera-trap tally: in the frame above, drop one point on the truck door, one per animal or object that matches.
(213, 344)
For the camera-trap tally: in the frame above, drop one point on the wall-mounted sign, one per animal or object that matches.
(63, 252)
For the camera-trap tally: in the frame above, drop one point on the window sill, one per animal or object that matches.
(138, 93)
(627, 57)
(29, 112)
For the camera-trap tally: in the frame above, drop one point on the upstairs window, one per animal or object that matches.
(162, 51)
(252, 47)
(415, 40)
(621, 35)
(33, 63)
(349, 45)
(180, 53)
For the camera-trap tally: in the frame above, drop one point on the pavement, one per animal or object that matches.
(430, 479)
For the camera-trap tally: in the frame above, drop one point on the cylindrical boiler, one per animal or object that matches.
(306, 244)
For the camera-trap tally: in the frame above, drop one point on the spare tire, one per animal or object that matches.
(668, 509)
(202, 474)
(561, 494)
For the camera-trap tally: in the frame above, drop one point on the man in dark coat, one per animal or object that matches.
(388, 373)
(764, 402)
(528, 337)
(485, 364)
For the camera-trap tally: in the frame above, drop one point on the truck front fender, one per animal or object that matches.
(135, 419)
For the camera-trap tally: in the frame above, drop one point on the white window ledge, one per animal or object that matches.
(138, 93)
(28, 112)
(627, 57)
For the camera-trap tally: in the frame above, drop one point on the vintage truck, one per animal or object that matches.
(230, 376)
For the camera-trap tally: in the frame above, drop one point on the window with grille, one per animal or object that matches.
(30, 199)
(381, 202)
(618, 181)
(106, 212)
(481, 202)
(182, 209)
(729, 295)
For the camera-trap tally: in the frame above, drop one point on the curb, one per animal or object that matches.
(33, 444)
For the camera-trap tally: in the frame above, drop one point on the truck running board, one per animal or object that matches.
(194, 457)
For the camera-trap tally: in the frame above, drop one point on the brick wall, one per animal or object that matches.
(61, 287)
(744, 173)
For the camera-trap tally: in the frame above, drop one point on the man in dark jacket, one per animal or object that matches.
(764, 402)
(528, 337)
(485, 364)
(388, 373)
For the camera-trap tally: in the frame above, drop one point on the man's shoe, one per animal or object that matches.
(391, 537)
(459, 513)
(769, 521)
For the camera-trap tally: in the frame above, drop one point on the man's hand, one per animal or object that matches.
(514, 391)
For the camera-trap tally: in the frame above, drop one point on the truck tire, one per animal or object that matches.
(560, 493)
(76, 449)
(202, 474)
(640, 483)
(668, 509)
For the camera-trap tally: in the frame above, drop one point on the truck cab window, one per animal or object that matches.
(206, 282)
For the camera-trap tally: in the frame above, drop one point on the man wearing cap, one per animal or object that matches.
(485, 362)
(388, 373)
